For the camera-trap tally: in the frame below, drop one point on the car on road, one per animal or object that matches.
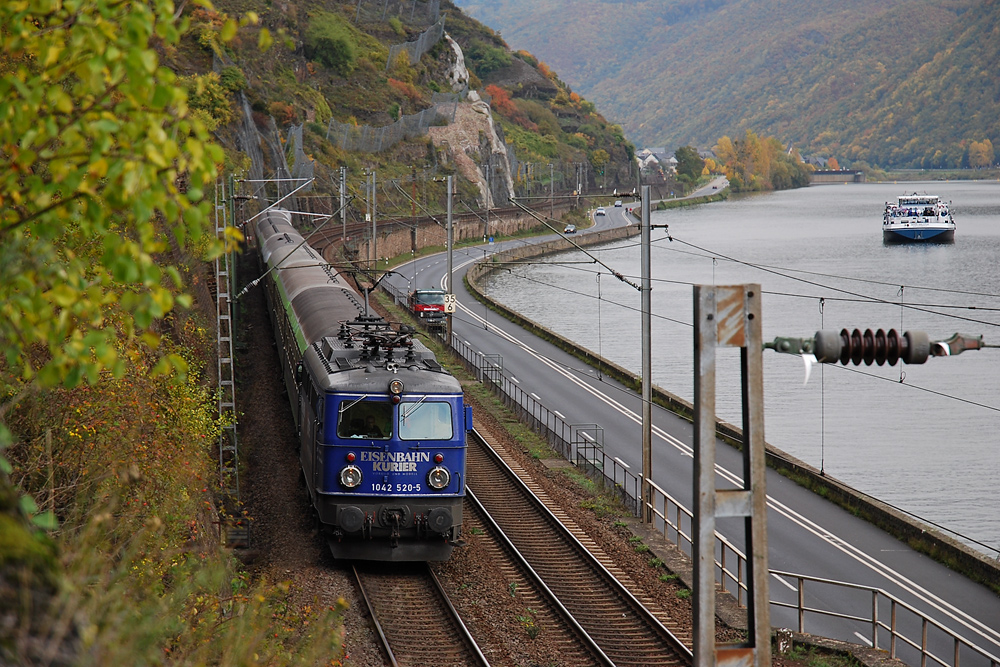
(618, 204)
(570, 229)
(600, 211)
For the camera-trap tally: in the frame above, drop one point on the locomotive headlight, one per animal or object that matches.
(350, 477)
(396, 387)
(438, 478)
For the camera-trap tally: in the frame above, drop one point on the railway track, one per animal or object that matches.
(414, 620)
(619, 624)
(556, 626)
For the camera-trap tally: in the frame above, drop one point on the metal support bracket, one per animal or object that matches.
(729, 316)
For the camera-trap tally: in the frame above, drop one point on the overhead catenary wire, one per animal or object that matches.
(572, 265)
(854, 297)
(687, 324)
(837, 289)
(589, 374)
(613, 272)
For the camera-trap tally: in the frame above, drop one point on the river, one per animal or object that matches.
(924, 438)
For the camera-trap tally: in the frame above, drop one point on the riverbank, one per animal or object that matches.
(920, 536)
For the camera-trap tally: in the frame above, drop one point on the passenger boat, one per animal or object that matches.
(918, 218)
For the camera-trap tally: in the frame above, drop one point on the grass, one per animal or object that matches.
(813, 657)
(527, 621)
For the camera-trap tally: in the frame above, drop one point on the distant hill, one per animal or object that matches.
(894, 83)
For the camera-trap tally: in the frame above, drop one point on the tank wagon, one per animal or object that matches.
(381, 424)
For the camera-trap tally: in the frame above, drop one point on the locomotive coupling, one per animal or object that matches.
(879, 347)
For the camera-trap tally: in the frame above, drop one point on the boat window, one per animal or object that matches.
(365, 419)
(425, 420)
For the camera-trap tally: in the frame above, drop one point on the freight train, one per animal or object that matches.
(381, 423)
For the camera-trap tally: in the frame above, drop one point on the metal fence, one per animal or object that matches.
(418, 47)
(583, 444)
(368, 139)
(888, 614)
(414, 12)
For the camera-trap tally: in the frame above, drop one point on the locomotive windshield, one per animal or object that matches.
(365, 419)
(425, 420)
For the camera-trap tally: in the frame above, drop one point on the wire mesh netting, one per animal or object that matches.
(418, 47)
(414, 12)
(368, 139)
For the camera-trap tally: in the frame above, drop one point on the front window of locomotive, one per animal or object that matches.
(370, 420)
(424, 419)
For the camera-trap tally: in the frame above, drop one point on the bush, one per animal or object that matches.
(283, 113)
(232, 79)
(207, 94)
(484, 58)
(330, 41)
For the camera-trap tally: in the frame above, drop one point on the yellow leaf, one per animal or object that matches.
(155, 156)
(98, 168)
(63, 295)
(228, 30)
(151, 339)
(264, 39)
(52, 54)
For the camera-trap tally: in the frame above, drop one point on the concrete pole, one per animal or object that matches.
(368, 211)
(451, 263)
(343, 208)
(647, 364)
(552, 192)
(374, 231)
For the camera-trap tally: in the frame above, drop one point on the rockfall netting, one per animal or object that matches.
(414, 12)
(368, 139)
(417, 47)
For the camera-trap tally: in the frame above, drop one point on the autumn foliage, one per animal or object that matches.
(407, 90)
(505, 106)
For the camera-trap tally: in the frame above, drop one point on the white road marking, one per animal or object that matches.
(943, 606)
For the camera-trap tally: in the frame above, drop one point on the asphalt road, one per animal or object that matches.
(806, 534)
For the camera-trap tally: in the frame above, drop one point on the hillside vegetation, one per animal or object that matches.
(892, 83)
(119, 120)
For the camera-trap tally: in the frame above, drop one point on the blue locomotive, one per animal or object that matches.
(381, 424)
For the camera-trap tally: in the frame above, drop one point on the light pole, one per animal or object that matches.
(450, 259)
(374, 231)
(552, 192)
(647, 364)
(343, 207)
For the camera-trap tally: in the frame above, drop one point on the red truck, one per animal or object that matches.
(428, 305)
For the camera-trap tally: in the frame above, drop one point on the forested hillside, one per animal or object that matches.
(892, 83)
(120, 120)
